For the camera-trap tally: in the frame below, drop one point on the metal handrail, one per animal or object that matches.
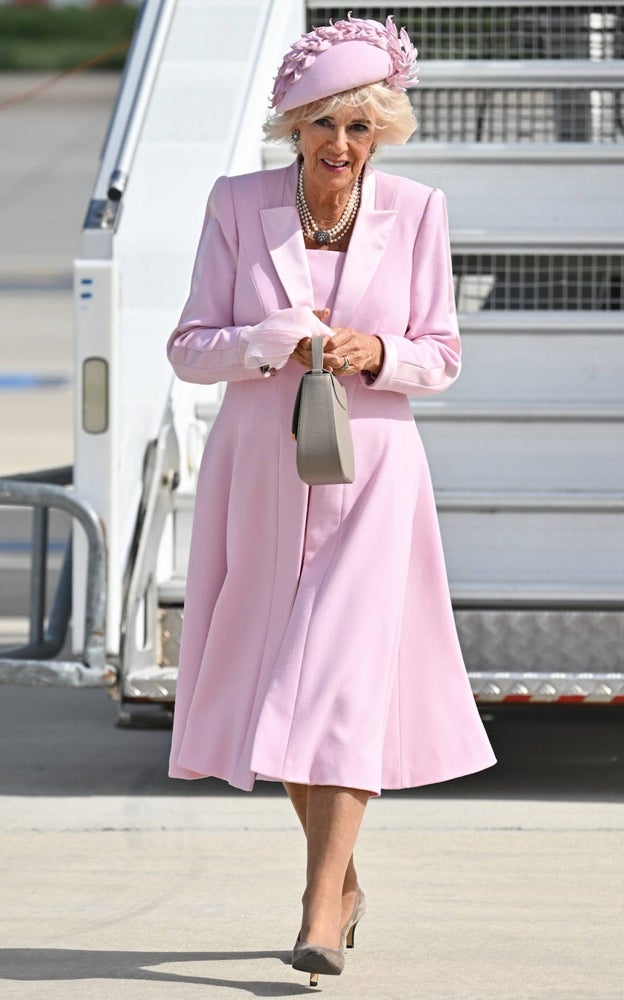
(126, 123)
(562, 74)
(92, 670)
(155, 29)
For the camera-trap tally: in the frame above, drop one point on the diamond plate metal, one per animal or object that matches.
(542, 641)
(521, 656)
(169, 632)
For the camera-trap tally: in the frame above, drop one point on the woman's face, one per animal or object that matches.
(336, 147)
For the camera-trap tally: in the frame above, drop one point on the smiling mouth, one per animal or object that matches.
(335, 164)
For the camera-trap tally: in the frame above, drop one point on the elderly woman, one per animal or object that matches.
(319, 646)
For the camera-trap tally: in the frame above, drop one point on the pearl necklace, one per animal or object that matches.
(324, 236)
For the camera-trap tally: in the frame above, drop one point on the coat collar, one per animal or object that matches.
(284, 240)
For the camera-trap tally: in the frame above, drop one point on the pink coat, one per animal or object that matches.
(319, 644)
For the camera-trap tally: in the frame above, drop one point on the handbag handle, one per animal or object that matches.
(317, 354)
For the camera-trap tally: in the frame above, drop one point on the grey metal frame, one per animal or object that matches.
(557, 281)
(588, 113)
(29, 664)
(140, 673)
(503, 30)
(121, 140)
(45, 642)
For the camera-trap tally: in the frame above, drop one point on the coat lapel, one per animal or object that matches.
(371, 233)
(284, 240)
(369, 241)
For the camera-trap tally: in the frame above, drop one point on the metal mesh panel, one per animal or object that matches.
(500, 31)
(517, 115)
(538, 281)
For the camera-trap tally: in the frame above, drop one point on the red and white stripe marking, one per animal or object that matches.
(564, 689)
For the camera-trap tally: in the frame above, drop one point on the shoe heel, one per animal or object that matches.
(314, 978)
(350, 942)
(347, 935)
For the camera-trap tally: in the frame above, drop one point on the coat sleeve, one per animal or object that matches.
(428, 358)
(206, 346)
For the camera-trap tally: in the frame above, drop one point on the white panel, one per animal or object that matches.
(480, 455)
(195, 103)
(206, 31)
(543, 367)
(539, 195)
(570, 551)
(96, 456)
(203, 119)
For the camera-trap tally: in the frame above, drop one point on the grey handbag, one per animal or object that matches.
(321, 427)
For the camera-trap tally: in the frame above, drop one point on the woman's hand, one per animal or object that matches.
(363, 352)
(302, 353)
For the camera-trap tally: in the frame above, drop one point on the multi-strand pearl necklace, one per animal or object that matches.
(324, 236)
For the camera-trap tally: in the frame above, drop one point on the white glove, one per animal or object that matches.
(272, 341)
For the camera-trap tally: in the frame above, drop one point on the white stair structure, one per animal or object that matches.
(190, 108)
(522, 125)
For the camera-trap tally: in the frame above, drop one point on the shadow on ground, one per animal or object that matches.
(65, 742)
(62, 964)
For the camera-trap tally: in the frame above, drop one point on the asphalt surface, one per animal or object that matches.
(116, 881)
(64, 742)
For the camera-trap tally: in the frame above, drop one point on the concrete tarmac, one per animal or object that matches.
(156, 897)
(50, 153)
(117, 881)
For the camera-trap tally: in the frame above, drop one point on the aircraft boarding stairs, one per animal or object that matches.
(521, 124)
(526, 450)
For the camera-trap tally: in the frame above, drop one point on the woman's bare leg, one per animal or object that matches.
(298, 795)
(332, 822)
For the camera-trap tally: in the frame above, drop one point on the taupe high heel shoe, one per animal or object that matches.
(347, 934)
(316, 959)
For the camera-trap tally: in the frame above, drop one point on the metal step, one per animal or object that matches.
(465, 596)
(171, 592)
(520, 356)
(554, 502)
(511, 655)
(519, 410)
(514, 547)
(498, 686)
(503, 187)
(157, 684)
(565, 551)
(481, 454)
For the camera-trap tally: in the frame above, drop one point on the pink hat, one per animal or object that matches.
(341, 56)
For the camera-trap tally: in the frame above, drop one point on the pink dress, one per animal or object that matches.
(325, 270)
(319, 645)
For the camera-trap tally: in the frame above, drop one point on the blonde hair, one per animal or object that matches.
(390, 111)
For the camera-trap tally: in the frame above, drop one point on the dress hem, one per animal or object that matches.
(193, 775)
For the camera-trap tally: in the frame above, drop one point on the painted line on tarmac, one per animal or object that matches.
(25, 381)
(36, 283)
(26, 546)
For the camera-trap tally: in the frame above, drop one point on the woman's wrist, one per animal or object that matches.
(377, 356)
